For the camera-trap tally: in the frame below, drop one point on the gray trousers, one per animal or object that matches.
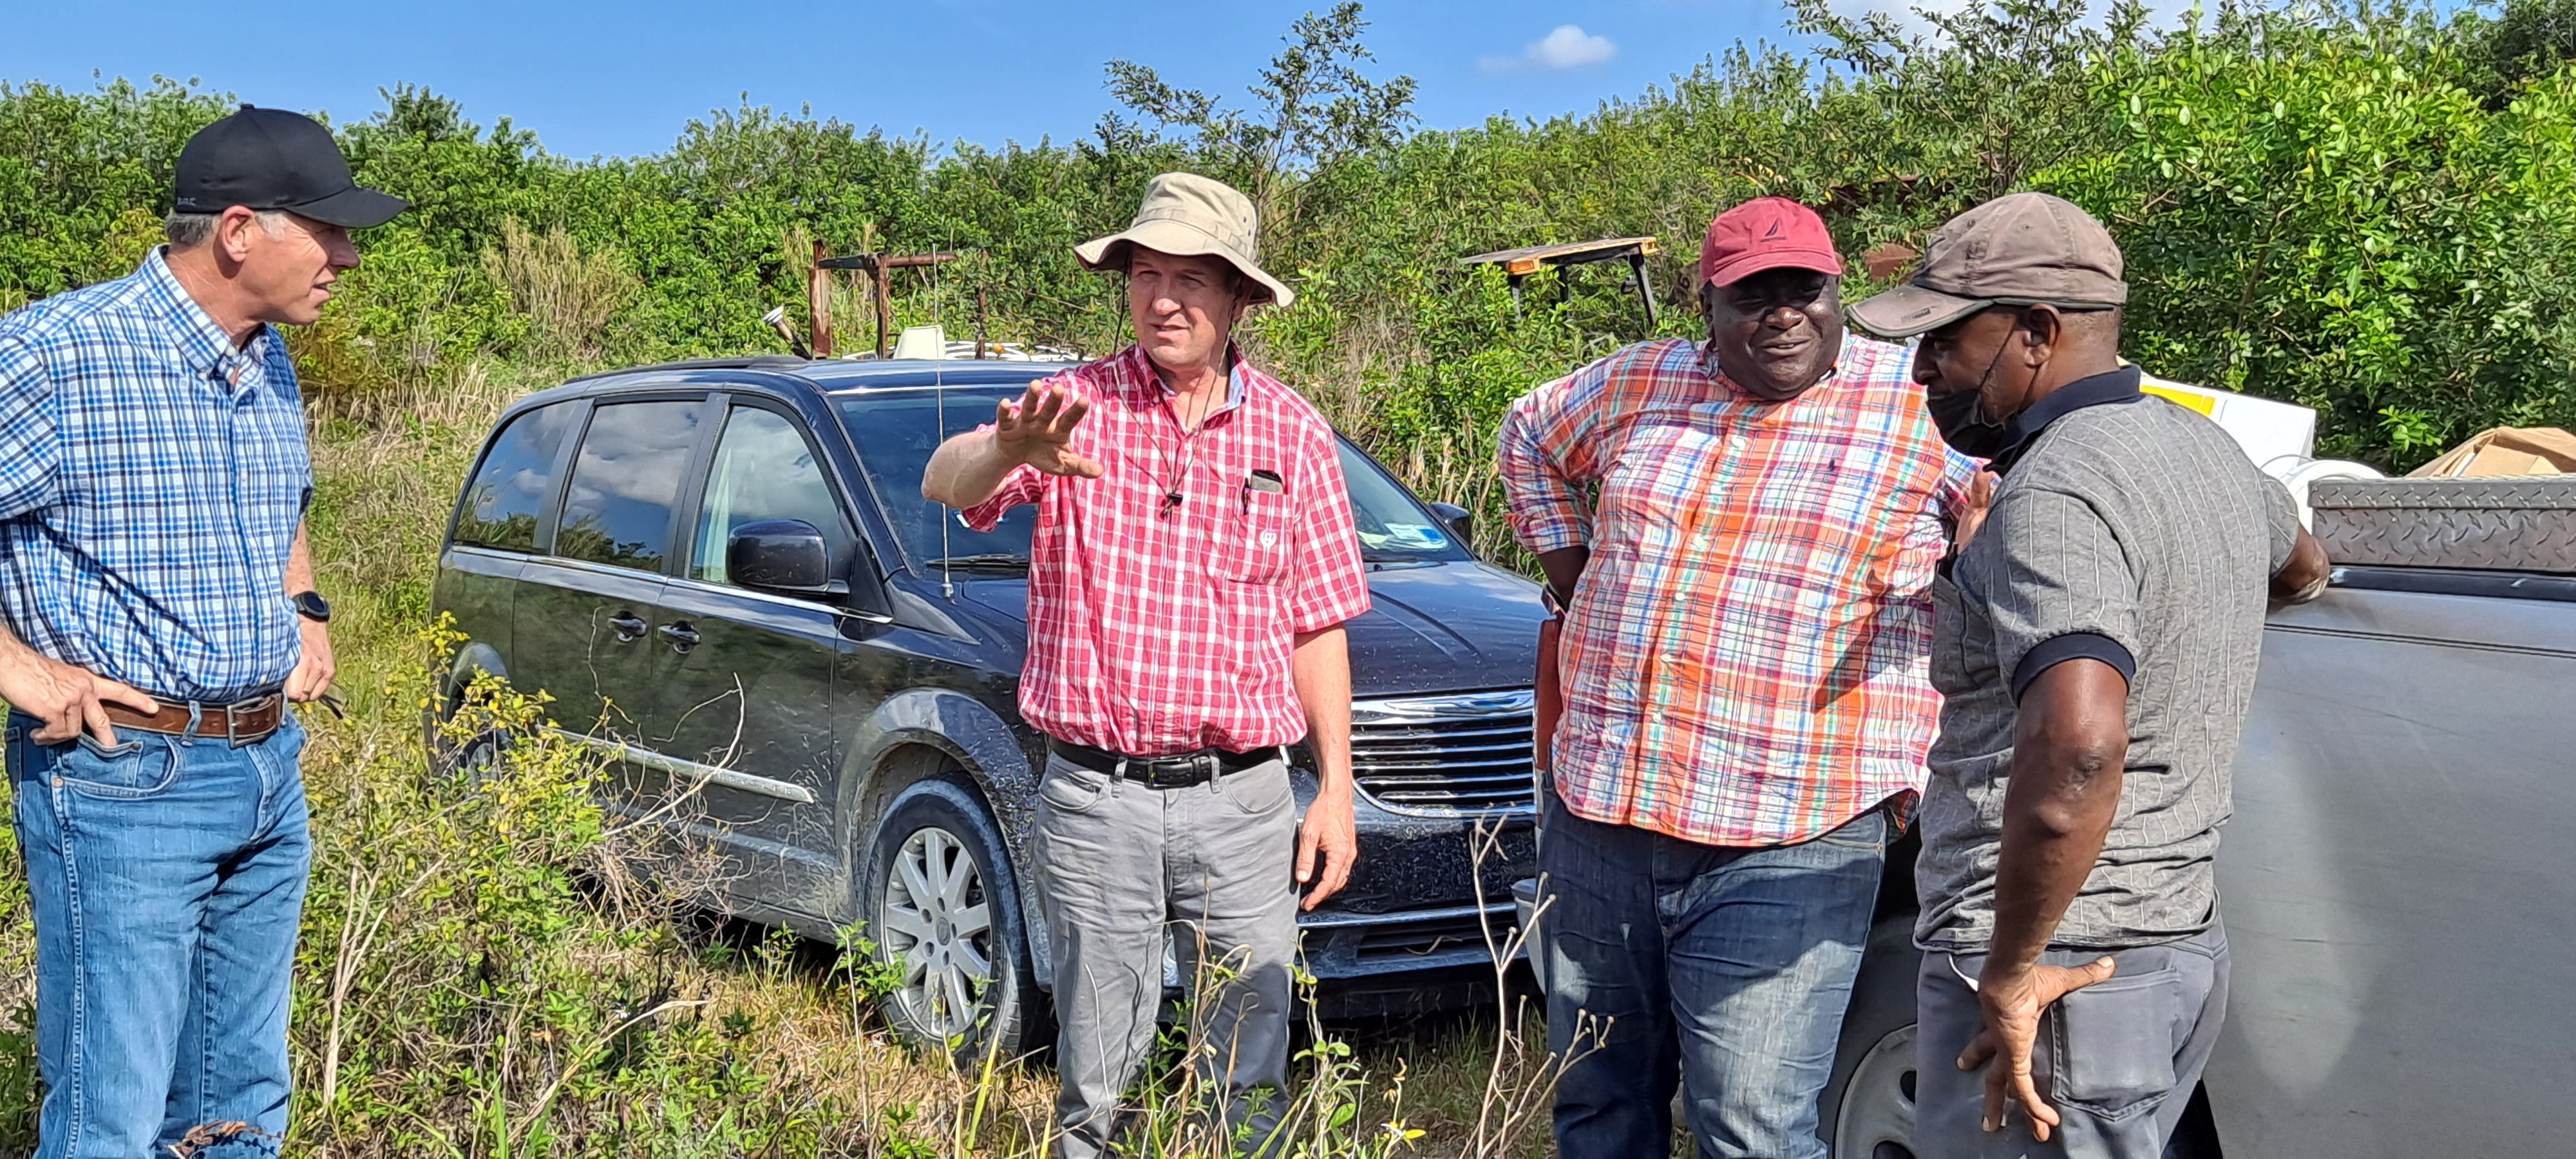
(1119, 861)
(2119, 1058)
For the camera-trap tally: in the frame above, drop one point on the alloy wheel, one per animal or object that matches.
(1877, 1117)
(938, 929)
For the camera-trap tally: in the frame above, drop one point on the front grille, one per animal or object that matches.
(1401, 941)
(1466, 753)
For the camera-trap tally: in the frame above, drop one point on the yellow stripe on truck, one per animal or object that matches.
(2199, 402)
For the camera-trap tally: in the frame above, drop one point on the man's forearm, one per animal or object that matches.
(1564, 568)
(966, 470)
(1322, 672)
(299, 565)
(2067, 766)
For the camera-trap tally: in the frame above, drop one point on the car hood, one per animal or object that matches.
(1431, 627)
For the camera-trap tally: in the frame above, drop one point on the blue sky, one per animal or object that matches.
(601, 78)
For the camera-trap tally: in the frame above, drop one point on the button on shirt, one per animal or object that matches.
(1745, 657)
(1155, 631)
(2135, 532)
(152, 476)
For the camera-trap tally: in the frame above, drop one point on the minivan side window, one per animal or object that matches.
(618, 507)
(509, 490)
(763, 469)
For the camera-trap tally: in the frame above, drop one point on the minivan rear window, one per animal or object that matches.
(509, 490)
(618, 509)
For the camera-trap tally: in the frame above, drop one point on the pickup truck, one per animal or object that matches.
(2396, 869)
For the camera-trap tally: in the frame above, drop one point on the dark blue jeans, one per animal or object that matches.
(1724, 970)
(167, 878)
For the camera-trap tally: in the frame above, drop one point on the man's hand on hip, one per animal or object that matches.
(66, 697)
(1330, 837)
(2013, 997)
(313, 669)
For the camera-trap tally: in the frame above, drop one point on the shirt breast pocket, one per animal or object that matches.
(1260, 541)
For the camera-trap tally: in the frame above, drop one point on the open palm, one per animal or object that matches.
(1038, 430)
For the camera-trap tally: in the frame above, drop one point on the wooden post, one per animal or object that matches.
(885, 307)
(1645, 293)
(818, 302)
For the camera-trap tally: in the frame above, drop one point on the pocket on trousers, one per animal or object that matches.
(1074, 790)
(1260, 790)
(2115, 1041)
(130, 771)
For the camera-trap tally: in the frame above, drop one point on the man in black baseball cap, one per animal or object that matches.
(274, 159)
(157, 618)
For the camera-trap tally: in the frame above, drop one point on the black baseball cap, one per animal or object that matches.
(276, 159)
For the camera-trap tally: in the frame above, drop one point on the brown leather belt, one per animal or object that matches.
(240, 722)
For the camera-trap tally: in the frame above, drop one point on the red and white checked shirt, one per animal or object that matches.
(1153, 633)
(1746, 660)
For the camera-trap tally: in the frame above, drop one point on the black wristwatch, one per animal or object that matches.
(310, 605)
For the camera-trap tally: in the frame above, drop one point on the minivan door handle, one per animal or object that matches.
(629, 626)
(680, 634)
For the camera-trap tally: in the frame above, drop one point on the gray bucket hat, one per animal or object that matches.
(1188, 215)
(2021, 249)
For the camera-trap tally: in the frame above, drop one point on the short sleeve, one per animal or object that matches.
(31, 450)
(2281, 513)
(1328, 585)
(2062, 588)
(1027, 484)
(1023, 485)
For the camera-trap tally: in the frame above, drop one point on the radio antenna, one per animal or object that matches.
(939, 406)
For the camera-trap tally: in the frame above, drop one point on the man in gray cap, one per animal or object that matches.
(1193, 564)
(2095, 640)
(161, 613)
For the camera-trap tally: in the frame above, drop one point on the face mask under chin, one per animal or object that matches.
(1963, 425)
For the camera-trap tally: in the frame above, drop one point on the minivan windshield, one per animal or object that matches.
(896, 429)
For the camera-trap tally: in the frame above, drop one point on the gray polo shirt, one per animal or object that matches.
(2131, 530)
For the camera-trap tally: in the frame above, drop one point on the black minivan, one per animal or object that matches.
(725, 574)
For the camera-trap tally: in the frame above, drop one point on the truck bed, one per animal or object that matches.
(2397, 879)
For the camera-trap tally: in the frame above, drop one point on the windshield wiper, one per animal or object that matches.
(989, 561)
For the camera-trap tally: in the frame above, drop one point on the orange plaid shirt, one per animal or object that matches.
(1746, 659)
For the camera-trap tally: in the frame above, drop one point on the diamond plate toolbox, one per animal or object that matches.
(2503, 524)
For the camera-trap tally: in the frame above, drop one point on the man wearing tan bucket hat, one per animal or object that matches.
(1193, 564)
(2095, 643)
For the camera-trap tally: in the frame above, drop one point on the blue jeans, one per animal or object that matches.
(1722, 969)
(167, 877)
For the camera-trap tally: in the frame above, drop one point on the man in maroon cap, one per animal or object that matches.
(1739, 537)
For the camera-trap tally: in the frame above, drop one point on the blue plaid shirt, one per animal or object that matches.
(152, 477)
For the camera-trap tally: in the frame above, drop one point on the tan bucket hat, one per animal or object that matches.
(1187, 215)
(2022, 249)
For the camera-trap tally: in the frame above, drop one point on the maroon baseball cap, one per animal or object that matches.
(1766, 233)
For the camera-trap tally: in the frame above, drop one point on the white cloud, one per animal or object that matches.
(1569, 46)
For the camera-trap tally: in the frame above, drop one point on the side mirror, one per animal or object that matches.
(1460, 522)
(780, 555)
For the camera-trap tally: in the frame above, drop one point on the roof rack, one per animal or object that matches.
(738, 362)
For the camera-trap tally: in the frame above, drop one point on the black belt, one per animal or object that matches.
(1177, 771)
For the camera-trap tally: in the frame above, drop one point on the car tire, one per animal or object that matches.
(940, 903)
(476, 756)
(1868, 1105)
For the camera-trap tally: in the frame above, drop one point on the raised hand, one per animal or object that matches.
(1038, 430)
(2013, 999)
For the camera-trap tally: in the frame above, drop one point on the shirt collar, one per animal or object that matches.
(1235, 382)
(2110, 386)
(209, 350)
